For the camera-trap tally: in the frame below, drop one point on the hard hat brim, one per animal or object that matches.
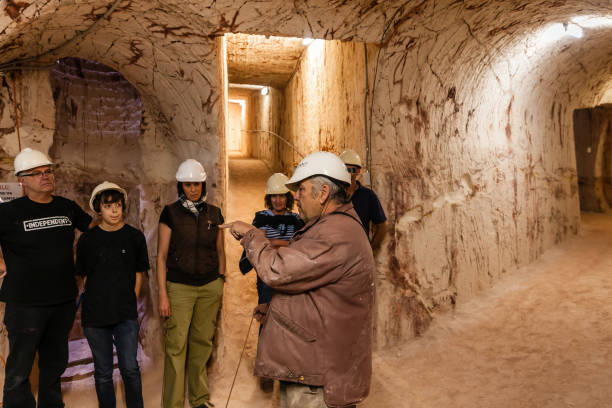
(51, 164)
(97, 193)
(294, 185)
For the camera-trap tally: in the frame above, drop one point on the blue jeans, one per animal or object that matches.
(125, 337)
(30, 329)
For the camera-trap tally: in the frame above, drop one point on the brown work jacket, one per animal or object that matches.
(318, 329)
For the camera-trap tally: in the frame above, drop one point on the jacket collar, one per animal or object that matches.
(345, 208)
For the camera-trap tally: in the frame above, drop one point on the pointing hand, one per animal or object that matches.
(238, 228)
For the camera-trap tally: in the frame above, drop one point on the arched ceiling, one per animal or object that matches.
(167, 36)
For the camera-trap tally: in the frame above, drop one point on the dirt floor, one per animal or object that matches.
(542, 337)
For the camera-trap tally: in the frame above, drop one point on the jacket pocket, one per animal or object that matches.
(291, 326)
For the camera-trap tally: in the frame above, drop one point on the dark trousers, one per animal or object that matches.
(36, 328)
(125, 337)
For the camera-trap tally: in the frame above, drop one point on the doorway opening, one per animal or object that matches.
(593, 146)
(286, 98)
(296, 96)
(98, 115)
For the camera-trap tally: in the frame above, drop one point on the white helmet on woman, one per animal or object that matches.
(319, 164)
(29, 159)
(349, 156)
(191, 171)
(276, 184)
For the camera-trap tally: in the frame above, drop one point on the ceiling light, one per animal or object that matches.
(306, 41)
(265, 90)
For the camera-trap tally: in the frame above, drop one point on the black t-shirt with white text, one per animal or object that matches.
(110, 260)
(37, 244)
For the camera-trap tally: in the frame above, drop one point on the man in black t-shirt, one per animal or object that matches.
(37, 236)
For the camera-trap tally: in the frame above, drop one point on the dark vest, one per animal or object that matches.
(192, 254)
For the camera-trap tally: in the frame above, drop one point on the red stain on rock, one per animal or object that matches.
(508, 113)
(13, 8)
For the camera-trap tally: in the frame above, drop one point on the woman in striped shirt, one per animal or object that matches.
(279, 223)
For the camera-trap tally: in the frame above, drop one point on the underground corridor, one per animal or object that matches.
(484, 127)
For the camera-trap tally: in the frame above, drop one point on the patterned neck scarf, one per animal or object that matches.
(195, 207)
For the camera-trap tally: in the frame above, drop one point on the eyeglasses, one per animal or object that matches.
(48, 172)
(353, 169)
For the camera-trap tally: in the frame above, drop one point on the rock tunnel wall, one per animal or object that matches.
(267, 124)
(472, 143)
(324, 101)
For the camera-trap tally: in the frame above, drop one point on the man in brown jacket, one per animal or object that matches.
(317, 334)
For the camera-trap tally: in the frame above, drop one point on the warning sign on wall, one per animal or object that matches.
(10, 191)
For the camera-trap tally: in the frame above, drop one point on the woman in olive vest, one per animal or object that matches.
(190, 273)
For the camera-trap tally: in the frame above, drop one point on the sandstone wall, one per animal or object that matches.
(35, 116)
(325, 100)
(266, 127)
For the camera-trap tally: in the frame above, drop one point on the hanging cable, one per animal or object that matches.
(16, 112)
(365, 108)
(279, 137)
(239, 360)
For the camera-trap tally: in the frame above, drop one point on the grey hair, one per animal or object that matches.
(337, 190)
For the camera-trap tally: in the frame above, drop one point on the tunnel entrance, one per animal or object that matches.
(260, 69)
(296, 96)
(593, 144)
(286, 98)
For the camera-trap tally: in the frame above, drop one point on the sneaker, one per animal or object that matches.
(207, 404)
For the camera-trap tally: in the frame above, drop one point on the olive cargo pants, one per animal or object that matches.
(188, 340)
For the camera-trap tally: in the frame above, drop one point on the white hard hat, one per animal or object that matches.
(29, 159)
(349, 156)
(319, 164)
(106, 185)
(191, 170)
(276, 184)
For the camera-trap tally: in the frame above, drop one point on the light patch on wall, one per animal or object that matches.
(317, 47)
(607, 95)
(574, 28)
(240, 102)
(555, 32)
(592, 21)
(237, 107)
(265, 120)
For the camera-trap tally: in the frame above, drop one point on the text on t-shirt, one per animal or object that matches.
(48, 222)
